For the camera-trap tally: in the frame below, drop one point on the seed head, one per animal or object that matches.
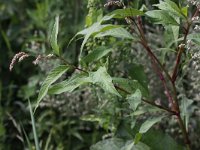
(20, 56)
(36, 61)
(114, 3)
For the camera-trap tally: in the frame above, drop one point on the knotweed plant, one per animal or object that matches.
(125, 91)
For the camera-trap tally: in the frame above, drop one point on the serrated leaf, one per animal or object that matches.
(104, 80)
(130, 85)
(161, 17)
(170, 7)
(96, 54)
(149, 123)
(69, 85)
(54, 35)
(134, 99)
(51, 78)
(127, 12)
(116, 32)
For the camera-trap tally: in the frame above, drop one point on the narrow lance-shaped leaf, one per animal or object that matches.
(171, 7)
(69, 85)
(96, 54)
(116, 32)
(185, 103)
(54, 35)
(51, 78)
(127, 12)
(33, 127)
(149, 123)
(161, 17)
(104, 80)
(92, 30)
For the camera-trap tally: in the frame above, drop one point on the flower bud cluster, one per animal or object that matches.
(40, 58)
(19, 56)
(114, 3)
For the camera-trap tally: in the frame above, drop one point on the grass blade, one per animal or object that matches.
(33, 127)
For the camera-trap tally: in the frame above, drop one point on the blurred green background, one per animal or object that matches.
(25, 26)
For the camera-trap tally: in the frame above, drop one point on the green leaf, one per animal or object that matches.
(171, 7)
(93, 30)
(118, 144)
(130, 145)
(164, 52)
(138, 137)
(91, 118)
(69, 85)
(96, 54)
(53, 37)
(116, 32)
(149, 123)
(104, 80)
(33, 127)
(51, 78)
(107, 17)
(27, 139)
(108, 144)
(127, 12)
(161, 17)
(195, 37)
(136, 71)
(184, 10)
(130, 85)
(175, 31)
(96, 27)
(160, 141)
(135, 99)
(185, 114)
